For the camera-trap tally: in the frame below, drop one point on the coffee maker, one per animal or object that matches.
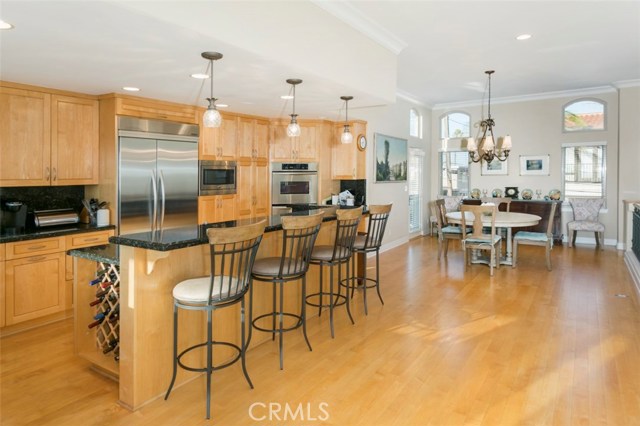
(13, 216)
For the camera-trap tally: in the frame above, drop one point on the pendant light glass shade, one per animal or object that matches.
(346, 136)
(293, 129)
(211, 117)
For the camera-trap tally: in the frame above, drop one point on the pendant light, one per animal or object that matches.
(211, 116)
(346, 136)
(293, 129)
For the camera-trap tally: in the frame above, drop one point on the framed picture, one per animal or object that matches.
(495, 167)
(536, 165)
(391, 158)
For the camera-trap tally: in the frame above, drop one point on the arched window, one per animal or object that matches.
(415, 123)
(584, 115)
(455, 125)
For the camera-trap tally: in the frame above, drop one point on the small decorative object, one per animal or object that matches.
(511, 191)
(484, 193)
(539, 193)
(475, 193)
(496, 193)
(534, 165)
(527, 194)
(362, 142)
(554, 194)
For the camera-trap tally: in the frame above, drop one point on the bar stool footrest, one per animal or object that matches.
(341, 300)
(359, 280)
(214, 368)
(277, 314)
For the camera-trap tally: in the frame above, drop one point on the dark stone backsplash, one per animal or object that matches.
(46, 197)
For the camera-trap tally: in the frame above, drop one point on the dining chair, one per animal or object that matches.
(477, 240)
(498, 201)
(585, 218)
(451, 204)
(446, 232)
(536, 239)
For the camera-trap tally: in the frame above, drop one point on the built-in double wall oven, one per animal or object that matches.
(293, 184)
(217, 177)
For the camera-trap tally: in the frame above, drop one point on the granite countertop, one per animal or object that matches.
(108, 253)
(188, 236)
(53, 231)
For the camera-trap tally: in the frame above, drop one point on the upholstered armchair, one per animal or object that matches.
(585, 218)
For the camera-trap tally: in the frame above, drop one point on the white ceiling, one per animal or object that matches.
(433, 52)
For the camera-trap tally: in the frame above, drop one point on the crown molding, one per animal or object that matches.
(623, 84)
(411, 99)
(532, 97)
(353, 17)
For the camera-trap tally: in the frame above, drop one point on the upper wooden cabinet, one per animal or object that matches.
(253, 139)
(159, 110)
(47, 139)
(219, 143)
(303, 148)
(253, 189)
(348, 162)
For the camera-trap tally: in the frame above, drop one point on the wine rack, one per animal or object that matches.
(106, 320)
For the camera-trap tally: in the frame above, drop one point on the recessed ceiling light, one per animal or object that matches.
(200, 76)
(286, 97)
(5, 25)
(523, 37)
(222, 105)
(131, 89)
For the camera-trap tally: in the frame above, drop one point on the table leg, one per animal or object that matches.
(508, 259)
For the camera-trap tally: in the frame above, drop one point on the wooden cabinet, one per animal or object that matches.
(2, 287)
(348, 162)
(303, 148)
(253, 139)
(34, 279)
(253, 189)
(47, 139)
(216, 208)
(219, 143)
(149, 108)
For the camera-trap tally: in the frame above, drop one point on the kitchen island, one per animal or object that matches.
(151, 264)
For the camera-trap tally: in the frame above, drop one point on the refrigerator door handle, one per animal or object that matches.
(162, 200)
(154, 193)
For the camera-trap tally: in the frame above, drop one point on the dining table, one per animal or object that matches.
(505, 220)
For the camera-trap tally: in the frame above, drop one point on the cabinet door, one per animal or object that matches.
(74, 141)
(261, 189)
(226, 209)
(348, 162)
(228, 140)
(2, 293)
(307, 143)
(261, 140)
(35, 287)
(280, 144)
(245, 138)
(25, 138)
(244, 194)
(207, 209)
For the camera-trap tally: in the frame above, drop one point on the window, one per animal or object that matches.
(584, 169)
(454, 173)
(416, 162)
(455, 125)
(415, 123)
(584, 115)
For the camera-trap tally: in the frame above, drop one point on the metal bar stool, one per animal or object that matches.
(232, 252)
(337, 254)
(369, 243)
(298, 238)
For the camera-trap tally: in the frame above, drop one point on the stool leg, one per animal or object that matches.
(378, 276)
(281, 325)
(209, 361)
(331, 300)
(273, 318)
(321, 286)
(250, 314)
(303, 311)
(353, 279)
(175, 350)
(244, 345)
(364, 282)
(346, 298)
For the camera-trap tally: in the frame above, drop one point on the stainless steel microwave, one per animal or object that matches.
(217, 177)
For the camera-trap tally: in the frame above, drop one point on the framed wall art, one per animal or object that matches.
(534, 165)
(391, 159)
(495, 167)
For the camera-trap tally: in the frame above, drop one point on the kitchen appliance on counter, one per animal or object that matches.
(357, 188)
(293, 184)
(55, 217)
(13, 216)
(158, 175)
(217, 177)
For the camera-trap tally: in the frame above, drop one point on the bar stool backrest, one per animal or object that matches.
(346, 231)
(232, 252)
(298, 238)
(378, 215)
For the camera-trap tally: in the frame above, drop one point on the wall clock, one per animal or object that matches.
(511, 191)
(362, 142)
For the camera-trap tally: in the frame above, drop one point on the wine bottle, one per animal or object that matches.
(95, 281)
(96, 323)
(97, 301)
(102, 315)
(110, 346)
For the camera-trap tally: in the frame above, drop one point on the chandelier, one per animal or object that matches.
(485, 149)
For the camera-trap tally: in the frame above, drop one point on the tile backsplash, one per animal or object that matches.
(46, 197)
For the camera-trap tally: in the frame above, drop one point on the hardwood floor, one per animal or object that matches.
(525, 347)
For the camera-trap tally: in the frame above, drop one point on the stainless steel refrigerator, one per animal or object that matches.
(158, 175)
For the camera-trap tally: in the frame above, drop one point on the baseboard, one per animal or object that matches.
(394, 244)
(591, 241)
(634, 268)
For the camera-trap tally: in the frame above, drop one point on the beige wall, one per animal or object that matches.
(535, 127)
(629, 158)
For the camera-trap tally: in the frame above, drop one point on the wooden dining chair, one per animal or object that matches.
(536, 239)
(498, 201)
(477, 240)
(446, 232)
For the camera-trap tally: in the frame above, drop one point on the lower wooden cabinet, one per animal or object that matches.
(253, 189)
(216, 208)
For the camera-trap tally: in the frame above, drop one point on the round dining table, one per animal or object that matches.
(507, 220)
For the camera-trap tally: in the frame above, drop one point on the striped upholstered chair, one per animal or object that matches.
(585, 218)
